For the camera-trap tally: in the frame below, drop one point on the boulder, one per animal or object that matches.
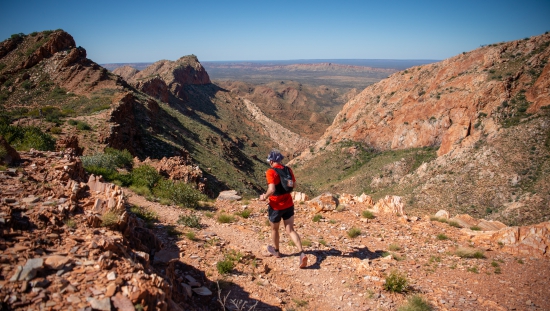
(443, 214)
(324, 202)
(391, 204)
(229, 195)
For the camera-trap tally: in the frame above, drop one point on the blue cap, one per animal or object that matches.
(275, 156)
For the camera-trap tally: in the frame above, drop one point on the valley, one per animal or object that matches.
(436, 175)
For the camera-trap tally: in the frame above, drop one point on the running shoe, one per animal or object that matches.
(303, 260)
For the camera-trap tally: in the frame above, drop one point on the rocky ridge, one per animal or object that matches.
(73, 241)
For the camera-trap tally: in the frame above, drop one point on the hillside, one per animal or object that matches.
(480, 121)
(168, 109)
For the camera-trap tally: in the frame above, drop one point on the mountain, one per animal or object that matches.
(168, 109)
(479, 120)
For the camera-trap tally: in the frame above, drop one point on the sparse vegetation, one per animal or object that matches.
(244, 213)
(191, 235)
(416, 303)
(317, 217)
(191, 221)
(394, 247)
(442, 237)
(464, 252)
(396, 282)
(224, 218)
(109, 219)
(147, 215)
(367, 214)
(354, 232)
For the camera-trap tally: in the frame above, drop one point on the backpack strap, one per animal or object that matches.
(279, 189)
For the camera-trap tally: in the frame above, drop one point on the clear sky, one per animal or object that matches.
(120, 31)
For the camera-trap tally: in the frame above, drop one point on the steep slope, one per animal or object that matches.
(485, 112)
(171, 110)
(302, 108)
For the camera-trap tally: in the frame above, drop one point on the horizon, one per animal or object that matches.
(140, 32)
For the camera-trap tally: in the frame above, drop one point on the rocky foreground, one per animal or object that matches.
(71, 242)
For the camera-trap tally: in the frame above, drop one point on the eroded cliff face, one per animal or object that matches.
(450, 104)
(165, 78)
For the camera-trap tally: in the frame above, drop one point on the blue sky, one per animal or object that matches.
(147, 31)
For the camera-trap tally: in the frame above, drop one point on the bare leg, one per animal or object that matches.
(275, 234)
(289, 226)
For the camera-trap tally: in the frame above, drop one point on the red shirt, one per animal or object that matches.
(279, 202)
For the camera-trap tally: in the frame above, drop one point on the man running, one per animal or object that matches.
(280, 206)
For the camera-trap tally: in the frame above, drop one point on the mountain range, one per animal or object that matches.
(469, 133)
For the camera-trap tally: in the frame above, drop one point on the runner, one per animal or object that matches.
(280, 207)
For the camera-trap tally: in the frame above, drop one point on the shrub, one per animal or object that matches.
(109, 219)
(396, 282)
(225, 266)
(245, 213)
(70, 223)
(454, 224)
(416, 303)
(475, 228)
(394, 247)
(464, 252)
(55, 130)
(191, 236)
(83, 126)
(323, 242)
(354, 232)
(367, 214)
(177, 192)
(145, 176)
(225, 218)
(145, 214)
(72, 122)
(442, 237)
(191, 221)
(317, 218)
(306, 243)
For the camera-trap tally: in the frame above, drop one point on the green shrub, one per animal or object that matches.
(191, 236)
(145, 176)
(83, 126)
(396, 282)
(145, 214)
(55, 130)
(72, 122)
(323, 242)
(245, 213)
(225, 266)
(191, 221)
(225, 218)
(178, 192)
(141, 190)
(109, 219)
(416, 303)
(454, 224)
(475, 228)
(354, 232)
(317, 218)
(27, 137)
(367, 214)
(306, 243)
(442, 237)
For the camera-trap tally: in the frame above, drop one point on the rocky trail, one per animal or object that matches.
(71, 242)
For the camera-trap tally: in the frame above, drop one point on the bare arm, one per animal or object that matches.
(268, 193)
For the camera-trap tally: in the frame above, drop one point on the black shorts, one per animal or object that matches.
(275, 215)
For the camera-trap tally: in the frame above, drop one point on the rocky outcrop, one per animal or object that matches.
(323, 203)
(8, 155)
(165, 78)
(56, 42)
(451, 104)
(97, 255)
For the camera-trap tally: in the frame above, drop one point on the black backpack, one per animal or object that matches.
(286, 185)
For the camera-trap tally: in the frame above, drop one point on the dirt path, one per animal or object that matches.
(348, 273)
